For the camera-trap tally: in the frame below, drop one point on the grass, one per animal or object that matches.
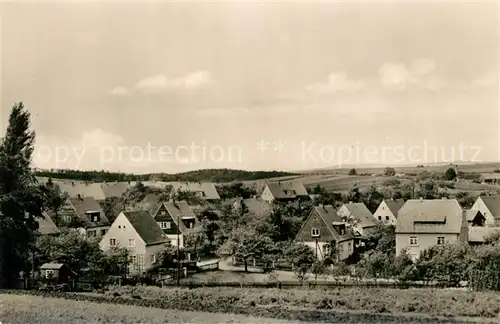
(434, 302)
(36, 309)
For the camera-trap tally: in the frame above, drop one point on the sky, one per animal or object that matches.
(170, 87)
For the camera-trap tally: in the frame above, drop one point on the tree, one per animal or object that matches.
(389, 172)
(54, 199)
(352, 172)
(21, 199)
(354, 195)
(236, 190)
(450, 174)
(302, 258)
(373, 198)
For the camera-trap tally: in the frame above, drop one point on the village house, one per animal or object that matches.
(204, 190)
(474, 217)
(479, 234)
(257, 207)
(325, 231)
(489, 206)
(359, 217)
(138, 232)
(422, 224)
(490, 178)
(175, 217)
(84, 213)
(46, 225)
(387, 211)
(284, 191)
(78, 188)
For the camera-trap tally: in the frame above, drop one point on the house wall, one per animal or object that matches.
(425, 241)
(314, 221)
(98, 232)
(267, 195)
(173, 239)
(344, 248)
(164, 216)
(383, 211)
(121, 230)
(152, 250)
(480, 205)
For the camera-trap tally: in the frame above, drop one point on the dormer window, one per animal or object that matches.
(315, 232)
(93, 216)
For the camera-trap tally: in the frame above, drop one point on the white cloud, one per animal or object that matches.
(99, 138)
(223, 112)
(119, 91)
(336, 82)
(486, 80)
(397, 76)
(161, 82)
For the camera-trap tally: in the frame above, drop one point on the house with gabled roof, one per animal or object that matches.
(254, 206)
(79, 188)
(175, 217)
(479, 234)
(204, 190)
(46, 225)
(387, 211)
(489, 206)
(359, 217)
(474, 217)
(325, 231)
(422, 224)
(284, 191)
(85, 213)
(139, 233)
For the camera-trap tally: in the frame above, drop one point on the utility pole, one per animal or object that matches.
(178, 251)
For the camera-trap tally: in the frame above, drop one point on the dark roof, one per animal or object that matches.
(46, 226)
(493, 204)
(88, 204)
(145, 226)
(257, 207)
(330, 217)
(430, 216)
(362, 214)
(287, 189)
(207, 188)
(394, 205)
(179, 209)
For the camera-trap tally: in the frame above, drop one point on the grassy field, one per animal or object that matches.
(434, 302)
(35, 309)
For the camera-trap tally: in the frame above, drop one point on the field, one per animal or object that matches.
(36, 309)
(207, 305)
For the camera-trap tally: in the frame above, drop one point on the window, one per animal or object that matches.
(163, 212)
(326, 249)
(112, 242)
(315, 232)
(131, 242)
(153, 258)
(440, 240)
(103, 231)
(49, 274)
(380, 218)
(413, 241)
(165, 225)
(386, 218)
(349, 247)
(91, 233)
(340, 248)
(119, 226)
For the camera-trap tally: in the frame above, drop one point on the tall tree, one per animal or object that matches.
(54, 199)
(21, 199)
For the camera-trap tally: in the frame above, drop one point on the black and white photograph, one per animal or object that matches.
(249, 161)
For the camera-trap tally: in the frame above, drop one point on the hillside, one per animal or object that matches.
(205, 175)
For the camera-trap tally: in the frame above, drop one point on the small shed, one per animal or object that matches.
(58, 273)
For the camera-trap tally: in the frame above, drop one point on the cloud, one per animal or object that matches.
(336, 82)
(486, 80)
(119, 91)
(99, 138)
(161, 82)
(397, 76)
(223, 112)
